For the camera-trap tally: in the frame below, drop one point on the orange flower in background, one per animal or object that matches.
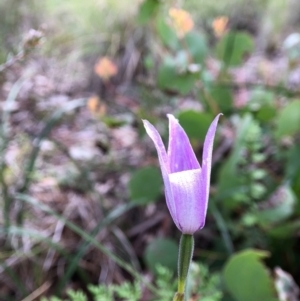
(105, 68)
(96, 106)
(181, 21)
(219, 25)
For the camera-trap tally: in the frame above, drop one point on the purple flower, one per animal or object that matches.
(186, 183)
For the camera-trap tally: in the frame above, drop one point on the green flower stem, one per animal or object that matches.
(186, 250)
(178, 297)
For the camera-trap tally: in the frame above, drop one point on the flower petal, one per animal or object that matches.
(187, 188)
(170, 200)
(206, 157)
(180, 152)
(159, 145)
(164, 165)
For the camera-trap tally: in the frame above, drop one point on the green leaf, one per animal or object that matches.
(288, 122)
(247, 279)
(292, 164)
(161, 251)
(167, 34)
(286, 230)
(223, 97)
(262, 102)
(228, 182)
(197, 46)
(145, 185)
(266, 113)
(233, 47)
(170, 77)
(195, 123)
(77, 295)
(258, 98)
(113, 122)
(128, 292)
(281, 206)
(147, 10)
(101, 292)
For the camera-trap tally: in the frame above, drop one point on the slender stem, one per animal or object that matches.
(178, 297)
(186, 250)
(222, 227)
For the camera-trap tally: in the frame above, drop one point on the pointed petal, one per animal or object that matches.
(164, 165)
(187, 188)
(207, 156)
(160, 148)
(180, 152)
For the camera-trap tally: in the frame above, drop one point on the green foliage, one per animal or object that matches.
(201, 284)
(281, 207)
(197, 46)
(54, 299)
(209, 286)
(147, 10)
(288, 122)
(161, 251)
(129, 292)
(166, 34)
(145, 185)
(222, 96)
(126, 291)
(173, 74)
(256, 168)
(77, 296)
(247, 279)
(233, 47)
(166, 286)
(248, 134)
(102, 292)
(9, 26)
(262, 103)
(195, 123)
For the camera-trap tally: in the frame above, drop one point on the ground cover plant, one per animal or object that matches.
(83, 210)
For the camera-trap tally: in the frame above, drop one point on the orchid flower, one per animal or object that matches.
(186, 182)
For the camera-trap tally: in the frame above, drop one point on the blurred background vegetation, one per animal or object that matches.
(83, 214)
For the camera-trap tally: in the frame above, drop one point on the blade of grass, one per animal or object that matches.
(222, 227)
(4, 141)
(49, 124)
(38, 292)
(13, 230)
(16, 279)
(111, 216)
(119, 234)
(88, 238)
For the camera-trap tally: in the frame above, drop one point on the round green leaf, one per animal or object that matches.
(247, 279)
(170, 78)
(145, 185)
(232, 48)
(195, 123)
(197, 46)
(161, 251)
(266, 113)
(288, 122)
(167, 34)
(147, 10)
